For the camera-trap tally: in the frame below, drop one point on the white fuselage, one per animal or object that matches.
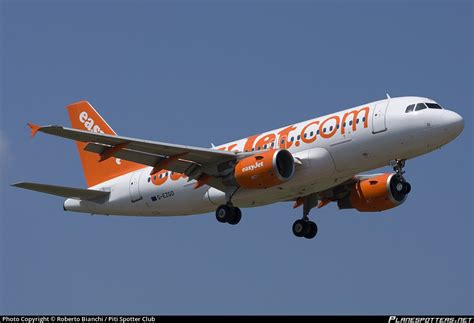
(329, 150)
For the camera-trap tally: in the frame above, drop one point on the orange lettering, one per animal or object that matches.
(265, 140)
(303, 131)
(231, 147)
(283, 141)
(175, 176)
(355, 114)
(249, 144)
(333, 131)
(159, 178)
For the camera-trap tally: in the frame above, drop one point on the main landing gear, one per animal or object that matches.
(228, 214)
(305, 227)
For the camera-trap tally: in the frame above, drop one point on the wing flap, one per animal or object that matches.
(69, 192)
(178, 166)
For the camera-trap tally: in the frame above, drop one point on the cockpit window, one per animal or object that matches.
(420, 106)
(433, 106)
(409, 108)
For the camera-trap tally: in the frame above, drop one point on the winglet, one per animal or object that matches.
(34, 129)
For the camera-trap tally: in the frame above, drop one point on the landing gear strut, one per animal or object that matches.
(402, 186)
(228, 213)
(398, 165)
(305, 227)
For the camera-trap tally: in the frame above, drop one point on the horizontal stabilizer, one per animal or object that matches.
(69, 192)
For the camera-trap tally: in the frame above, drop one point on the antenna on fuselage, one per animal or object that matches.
(388, 96)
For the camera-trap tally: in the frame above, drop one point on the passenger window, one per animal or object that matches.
(148, 179)
(363, 119)
(298, 137)
(433, 106)
(357, 121)
(311, 133)
(265, 146)
(350, 123)
(317, 132)
(324, 130)
(292, 139)
(420, 106)
(305, 134)
(273, 144)
(409, 108)
(344, 125)
(330, 128)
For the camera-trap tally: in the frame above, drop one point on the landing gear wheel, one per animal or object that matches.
(237, 216)
(406, 188)
(299, 228)
(224, 213)
(400, 187)
(311, 230)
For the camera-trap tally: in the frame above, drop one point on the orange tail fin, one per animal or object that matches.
(84, 117)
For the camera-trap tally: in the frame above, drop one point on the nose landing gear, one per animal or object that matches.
(402, 186)
(398, 165)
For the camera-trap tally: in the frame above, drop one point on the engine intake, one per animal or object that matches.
(378, 193)
(266, 169)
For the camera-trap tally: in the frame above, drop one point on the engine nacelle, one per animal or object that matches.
(378, 193)
(265, 169)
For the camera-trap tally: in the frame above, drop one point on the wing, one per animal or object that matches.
(192, 161)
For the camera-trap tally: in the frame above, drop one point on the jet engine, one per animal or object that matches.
(265, 169)
(379, 193)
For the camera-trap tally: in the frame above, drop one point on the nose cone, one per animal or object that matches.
(453, 123)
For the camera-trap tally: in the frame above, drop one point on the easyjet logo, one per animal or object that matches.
(252, 167)
(310, 132)
(89, 123)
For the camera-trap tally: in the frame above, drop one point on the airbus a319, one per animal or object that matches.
(310, 164)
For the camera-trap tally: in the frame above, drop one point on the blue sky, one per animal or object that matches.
(201, 72)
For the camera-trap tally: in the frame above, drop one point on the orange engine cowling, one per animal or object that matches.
(378, 193)
(265, 169)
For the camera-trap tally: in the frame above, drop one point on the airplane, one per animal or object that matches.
(311, 163)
